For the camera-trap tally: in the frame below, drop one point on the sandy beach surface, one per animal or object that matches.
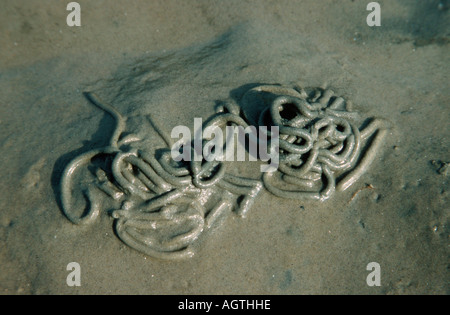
(176, 60)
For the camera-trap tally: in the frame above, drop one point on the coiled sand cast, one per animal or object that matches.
(163, 206)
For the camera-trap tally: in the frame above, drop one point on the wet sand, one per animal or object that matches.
(175, 60)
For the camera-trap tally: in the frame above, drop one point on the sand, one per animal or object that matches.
(175, 60)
